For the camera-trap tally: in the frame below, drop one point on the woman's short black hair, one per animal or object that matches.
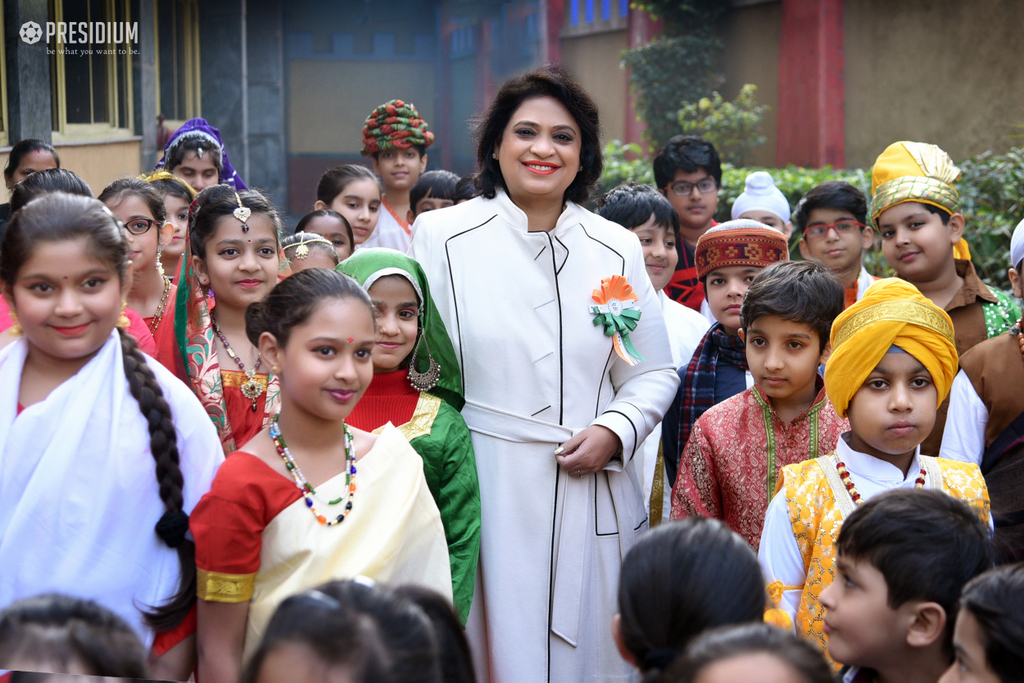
(548, 81)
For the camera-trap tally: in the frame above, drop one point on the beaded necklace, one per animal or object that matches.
(159, 315)
(251, 388)
(844, 474)
(308, 492)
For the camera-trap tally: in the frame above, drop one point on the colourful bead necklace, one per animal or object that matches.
(251, 388)
(844, 474)
(159, 315)
(308, 492)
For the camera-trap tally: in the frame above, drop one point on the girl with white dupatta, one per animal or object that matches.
(566, 369)
(103, 453)
(284, 514)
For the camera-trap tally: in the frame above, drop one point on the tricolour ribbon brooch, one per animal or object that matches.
(616, 310)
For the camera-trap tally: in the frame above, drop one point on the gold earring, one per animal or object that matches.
(123, 321)
(16, 327)
(274, 369)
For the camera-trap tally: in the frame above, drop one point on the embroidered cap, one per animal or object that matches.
(741, 242)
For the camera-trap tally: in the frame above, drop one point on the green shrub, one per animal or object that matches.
(734, 128)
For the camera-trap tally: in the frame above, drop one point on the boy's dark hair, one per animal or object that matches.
(72, 634)
(996, 601)
(833, 194)
(632, 204)
(734, 641)
(800, 291)
(466, 188)
(926, 544)
(437, 184)
(680, 579)
(686, 153)
(453, 648)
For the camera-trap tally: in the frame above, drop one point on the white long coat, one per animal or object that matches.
(536, 370)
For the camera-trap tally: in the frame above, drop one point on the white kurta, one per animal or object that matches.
(536, 370)
(389, 232)
(78, 491)
(964, 436)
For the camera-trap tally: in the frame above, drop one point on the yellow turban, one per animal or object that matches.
(916, 172)
(892, 312)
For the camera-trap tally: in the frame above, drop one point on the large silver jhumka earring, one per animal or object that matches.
(423, 381)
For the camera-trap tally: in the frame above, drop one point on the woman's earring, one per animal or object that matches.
(15, 329)
(123, 321)
(159, 263)
(423, 381)
(494, 155)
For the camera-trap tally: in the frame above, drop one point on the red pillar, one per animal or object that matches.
(811, 93)
(640, 31)
(554, 15)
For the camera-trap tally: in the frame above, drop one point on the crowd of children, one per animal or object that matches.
(251, 454)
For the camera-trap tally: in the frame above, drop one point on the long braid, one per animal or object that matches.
(163, 444)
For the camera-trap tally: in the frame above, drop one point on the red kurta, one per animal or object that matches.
(731, 463)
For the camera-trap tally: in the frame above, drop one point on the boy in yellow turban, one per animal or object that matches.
(893, 361)
(917, 212)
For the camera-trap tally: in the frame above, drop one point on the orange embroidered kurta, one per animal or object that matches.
(735, 453)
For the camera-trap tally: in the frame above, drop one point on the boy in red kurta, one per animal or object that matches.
(736, 450)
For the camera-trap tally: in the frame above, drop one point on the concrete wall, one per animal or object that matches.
(97, 163)
(594, 61)
(940, 71)
(751, 35)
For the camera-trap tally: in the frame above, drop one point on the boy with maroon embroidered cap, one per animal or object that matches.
(736, 450)
(727, 258)
(396, 137)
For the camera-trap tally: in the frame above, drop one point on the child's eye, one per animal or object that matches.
(406, 315)
(267, 251)
(795, 345)
(920, 382)
(93, 282)
(363, 354)
(915, 225)
(670, 245)
(41, 287)
(183, 215)
(717, 281)
(749, 278)
(887, 234)
(645, 240)
(339, 243)
(758, 341)
(326, 351)
(230, 251)
(374, 208)
(877, 384)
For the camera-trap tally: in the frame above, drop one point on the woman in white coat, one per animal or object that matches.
(563, 381)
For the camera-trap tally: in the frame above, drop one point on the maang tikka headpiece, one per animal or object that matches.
(242, 213)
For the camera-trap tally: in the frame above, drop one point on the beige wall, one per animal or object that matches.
(97, 163)
(328, 101)
(751, 36)
(940, 71)
(594, 61)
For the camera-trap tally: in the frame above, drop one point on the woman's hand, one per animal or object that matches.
(589, 451)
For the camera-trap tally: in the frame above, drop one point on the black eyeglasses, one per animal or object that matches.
(139, 226)
(683, 188)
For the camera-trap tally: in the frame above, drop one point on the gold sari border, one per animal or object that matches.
(218, 587)
(907, 311)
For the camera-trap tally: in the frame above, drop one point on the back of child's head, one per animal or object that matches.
(58, 217)
(293, 300)
(926, 543)
(632, 204)
(23, 149)
(122, 188)
(63, 634)
(217, 201)
(438, 184)
(741, 242)
(799, 291)
(324, 213)
(371, 633)
(686, 153)
(832, 194)
(170, 185)
(45, 182)
(680, 579)
(453, 648)
(333, 182)
(466, 188)
(802, 662)
(302, 244)
(996, 601)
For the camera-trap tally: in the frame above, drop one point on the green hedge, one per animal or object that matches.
(991, 191)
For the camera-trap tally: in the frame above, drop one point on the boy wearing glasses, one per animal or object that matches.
(688, 172)
(831, 219)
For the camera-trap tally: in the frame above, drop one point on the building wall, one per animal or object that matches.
(940, 71)
(97, 163)
(594, 60)
(751, 35)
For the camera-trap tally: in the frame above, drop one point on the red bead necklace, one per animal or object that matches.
(844, 474)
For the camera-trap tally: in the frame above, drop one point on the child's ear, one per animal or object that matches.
(620, 642)
(409, 216)
(423, 163)
(166, 233)
(319, 206)
(200, 268)
(1016, 283)
(271, 351)
(805, 252)
(787, 230)
(927, 625)
(956, 227)
(823, 358)
(742, 333)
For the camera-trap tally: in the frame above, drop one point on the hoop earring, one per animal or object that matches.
(423, 381)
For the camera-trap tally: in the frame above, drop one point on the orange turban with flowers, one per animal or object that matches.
(892, 313)
(916, 172)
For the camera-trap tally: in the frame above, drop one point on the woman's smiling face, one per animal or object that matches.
(539, 152)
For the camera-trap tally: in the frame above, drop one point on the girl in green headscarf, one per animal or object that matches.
(417, 386)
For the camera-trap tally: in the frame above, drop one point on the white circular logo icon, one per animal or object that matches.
(31, 32)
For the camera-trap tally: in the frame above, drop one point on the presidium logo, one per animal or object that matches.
(91, 33)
